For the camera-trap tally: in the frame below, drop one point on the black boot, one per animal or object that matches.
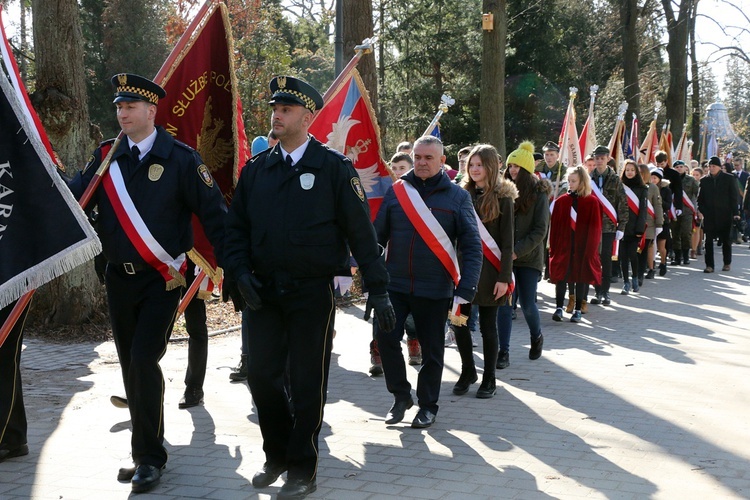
(240, 373)
(465, 350)
(488, 386)
(686, 257)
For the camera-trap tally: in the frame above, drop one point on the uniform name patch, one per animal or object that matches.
(205, 175)
(357, 187)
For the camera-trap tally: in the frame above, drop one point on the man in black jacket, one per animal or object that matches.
(718, 203)
(297, 211)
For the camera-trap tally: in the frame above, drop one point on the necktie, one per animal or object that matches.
(289, 160)
(136, 153)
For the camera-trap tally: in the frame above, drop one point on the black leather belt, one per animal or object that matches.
(134, 267)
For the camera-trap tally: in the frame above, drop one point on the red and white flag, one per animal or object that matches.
(347, 124)
(682, 151)
(650, 145)
(634, 134)
(570, 151)
(587, 142)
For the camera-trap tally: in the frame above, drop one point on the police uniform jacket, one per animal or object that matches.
(294, 223)
(165, 204)
(412, 266)
(614, 192)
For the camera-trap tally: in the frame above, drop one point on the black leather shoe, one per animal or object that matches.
(193, 397)
(146, 477)
(297, 488)
(424, 419)
(12, 452)
(536, 348)
(606, 300)
(118, 401)
(464, 382)
(268, 475)
(396, 413)
(125, 474)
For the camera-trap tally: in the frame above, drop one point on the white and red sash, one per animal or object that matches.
(492, 252)
(672, 212)
(606, 205)
(633, 201)
(650, 207)
(686, 201)
(428, 227)
(138, 233)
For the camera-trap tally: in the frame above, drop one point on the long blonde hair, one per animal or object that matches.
(487, 205)
(584, 186)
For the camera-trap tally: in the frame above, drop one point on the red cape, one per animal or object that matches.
(584, 263)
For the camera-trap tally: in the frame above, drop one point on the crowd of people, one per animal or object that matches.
(464, 247)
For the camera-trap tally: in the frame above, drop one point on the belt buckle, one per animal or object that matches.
(129, 269)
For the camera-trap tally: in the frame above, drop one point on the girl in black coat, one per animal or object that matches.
(637, 193)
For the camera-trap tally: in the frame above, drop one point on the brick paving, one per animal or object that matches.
(648, 398)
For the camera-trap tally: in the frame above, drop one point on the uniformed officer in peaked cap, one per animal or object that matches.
(295, 209)
(551, 146)
(146, 201)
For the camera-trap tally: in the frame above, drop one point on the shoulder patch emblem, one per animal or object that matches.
(357, 187)
(205, 175)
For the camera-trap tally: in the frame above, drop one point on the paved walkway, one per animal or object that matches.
(648, 398)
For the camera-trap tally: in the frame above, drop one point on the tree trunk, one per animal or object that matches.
(492, 96)
(357, 27)
(60, 100)
(695, 123)
(677, 29)
(630, 57)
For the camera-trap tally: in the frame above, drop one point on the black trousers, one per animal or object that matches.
(12, 412)
(605, 254)
(629, 256)
(726, 246)
(195, 324)
(429, 320)
(295, 324)
(142, 312)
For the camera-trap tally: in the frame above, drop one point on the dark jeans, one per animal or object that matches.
(527, 279)
(579, 290)
(429, 319)
(726, 246)
(195, 324)
(605, 255)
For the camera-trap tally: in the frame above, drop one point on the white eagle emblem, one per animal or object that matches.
(337, 137)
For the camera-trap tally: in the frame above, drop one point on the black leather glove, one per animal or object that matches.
(249, 286)
(230, 290)
(384, 312)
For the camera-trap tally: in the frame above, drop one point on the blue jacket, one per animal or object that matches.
(412, 266)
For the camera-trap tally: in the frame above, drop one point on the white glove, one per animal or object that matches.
(678, 212)
(657, 231)
(619, 235)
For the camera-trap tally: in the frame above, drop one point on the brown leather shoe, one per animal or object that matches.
(708, 270)
(726, 267)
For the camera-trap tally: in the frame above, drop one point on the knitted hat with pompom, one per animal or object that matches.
(523, 157)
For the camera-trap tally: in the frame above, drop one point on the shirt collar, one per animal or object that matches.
(145, 145)
(297, 153)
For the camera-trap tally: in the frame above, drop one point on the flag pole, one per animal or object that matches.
(96, 180)
(445, 102)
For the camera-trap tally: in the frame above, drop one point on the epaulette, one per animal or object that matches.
(108, 141)
(182, 144)
(336, 152)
